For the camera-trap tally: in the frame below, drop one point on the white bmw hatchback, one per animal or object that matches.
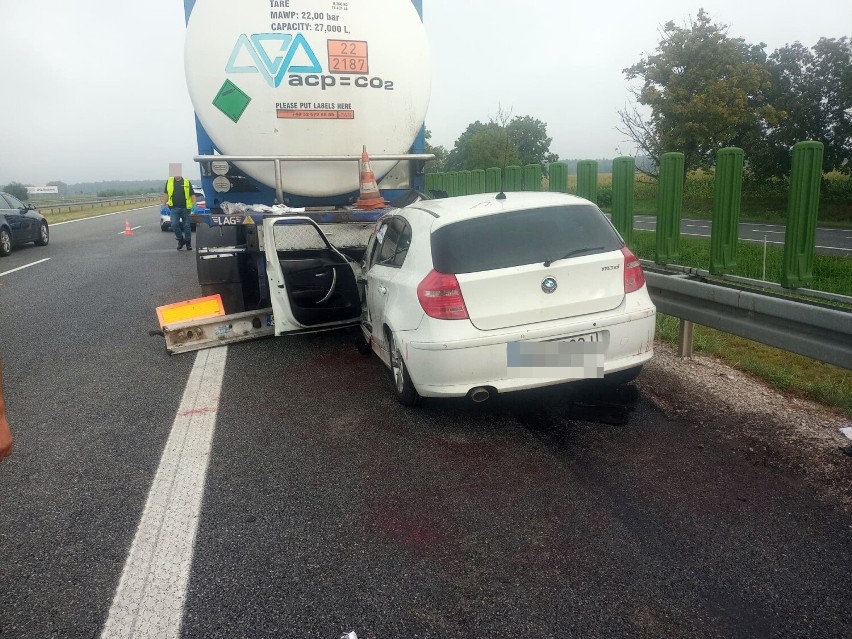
(485, 294)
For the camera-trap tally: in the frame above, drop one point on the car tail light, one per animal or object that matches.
(634, 276)
(440, 296)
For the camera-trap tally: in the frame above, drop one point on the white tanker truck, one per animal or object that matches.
(287, 94)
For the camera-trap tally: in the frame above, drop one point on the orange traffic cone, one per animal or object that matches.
(127, 229)
(370, 197)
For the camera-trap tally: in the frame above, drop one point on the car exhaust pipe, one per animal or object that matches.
(479, 394)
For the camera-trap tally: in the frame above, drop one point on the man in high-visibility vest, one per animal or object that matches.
(179, 197)
(5, 431)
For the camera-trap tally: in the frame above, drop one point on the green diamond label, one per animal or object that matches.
(231, 101)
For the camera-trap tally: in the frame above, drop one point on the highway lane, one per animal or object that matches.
(91, 397)
(829, 241)
(328, 507)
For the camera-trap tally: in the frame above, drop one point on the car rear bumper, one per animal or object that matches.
(453, 368)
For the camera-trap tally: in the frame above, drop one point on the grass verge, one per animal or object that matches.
(787, 372)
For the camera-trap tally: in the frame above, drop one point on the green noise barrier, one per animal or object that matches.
(532, 177)
(558, 177)
(587, 180)
(493, 180)
(477, 181)
(623, 185)
(797, 269)
(669, 207)
(727, 198)
(464, 183)
(513, 178)
(433, 182)
(452, 183)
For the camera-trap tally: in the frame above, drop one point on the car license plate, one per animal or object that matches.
(574, 357)
(591, 337)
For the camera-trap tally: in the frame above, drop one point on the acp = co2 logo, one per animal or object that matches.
(297, 59)
(273, 69)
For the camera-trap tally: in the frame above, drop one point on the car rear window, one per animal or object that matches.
(523, 237)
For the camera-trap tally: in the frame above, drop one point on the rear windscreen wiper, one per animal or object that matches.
(585, 249)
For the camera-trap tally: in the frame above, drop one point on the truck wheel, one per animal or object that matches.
(405, 391)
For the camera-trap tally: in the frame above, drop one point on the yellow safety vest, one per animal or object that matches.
(170, 190)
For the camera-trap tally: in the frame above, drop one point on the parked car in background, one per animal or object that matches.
(19, 224)
(165, 217)
(485, 294)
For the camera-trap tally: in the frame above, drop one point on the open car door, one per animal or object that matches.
(312, 284)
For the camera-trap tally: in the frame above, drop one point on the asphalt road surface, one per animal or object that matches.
(276, 488)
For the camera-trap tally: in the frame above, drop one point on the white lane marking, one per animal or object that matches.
(21, 268)
(132, 228)
(831, 248)
(94, 217)
(151, 594)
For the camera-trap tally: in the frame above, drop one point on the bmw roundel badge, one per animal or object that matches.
(548, 285)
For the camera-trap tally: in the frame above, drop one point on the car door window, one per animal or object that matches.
(3, 203)
(14, 203)
(396, 241)
(376, 245)
(402, 244)
(389, 243)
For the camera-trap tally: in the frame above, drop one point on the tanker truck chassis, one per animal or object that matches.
(282, 240)
(280, 270)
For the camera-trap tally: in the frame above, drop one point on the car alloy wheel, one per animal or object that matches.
(405, 391)
(43, 235)
(5, 242)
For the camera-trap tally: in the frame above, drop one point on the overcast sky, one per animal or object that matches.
(95, 89)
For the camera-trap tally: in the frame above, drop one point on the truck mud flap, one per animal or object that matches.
(195, 335)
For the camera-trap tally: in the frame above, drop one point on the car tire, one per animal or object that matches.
(5, 242)
(619, 378)
(402, 385)
(43, 235)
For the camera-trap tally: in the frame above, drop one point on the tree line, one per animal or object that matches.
(706, 90)
(700, 91)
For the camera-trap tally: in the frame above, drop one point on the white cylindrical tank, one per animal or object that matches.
(308, 77)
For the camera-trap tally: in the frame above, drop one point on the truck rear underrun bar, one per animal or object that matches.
(279, 159)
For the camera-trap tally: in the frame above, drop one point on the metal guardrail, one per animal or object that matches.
(809, 329)
(91, 204)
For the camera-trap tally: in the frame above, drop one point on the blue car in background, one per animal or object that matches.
(20, 223)
(165, 217)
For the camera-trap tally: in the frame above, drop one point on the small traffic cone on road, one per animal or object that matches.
(370, 198)
(127, 229)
